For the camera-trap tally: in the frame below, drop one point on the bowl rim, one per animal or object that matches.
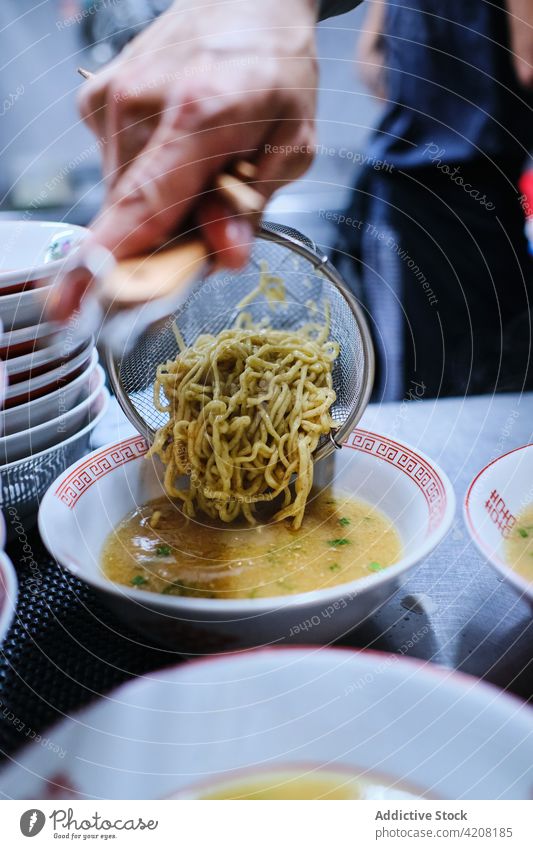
(448, 678)
(36, 296)
(104, 394)
(29, 432)
(15, 366)
(41, 381)
(519, 583)
(44, 269)
(29, 333)
(92, 366)
(248, 608)
(7, 612)
(443, 673)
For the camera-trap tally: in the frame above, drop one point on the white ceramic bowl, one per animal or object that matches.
(27, 339)
(85, 504)
(49, 381)
(22, 309)
(42, 359)
(23, 483)
(32, 250)
(448, 735)
(48, 406)
(8, 594)
(498, 493)
(35, 439)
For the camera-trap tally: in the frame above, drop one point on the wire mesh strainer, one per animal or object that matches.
(310, 281)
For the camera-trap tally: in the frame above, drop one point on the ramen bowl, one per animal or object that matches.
(31, 252)
(496, 496)
(185, 731)
(48, 406)
(110, 483)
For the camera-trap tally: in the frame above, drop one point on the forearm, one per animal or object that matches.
(521, 34)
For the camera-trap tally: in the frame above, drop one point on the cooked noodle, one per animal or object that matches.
(247, 408)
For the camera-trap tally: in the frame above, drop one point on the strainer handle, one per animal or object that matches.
(289, 233)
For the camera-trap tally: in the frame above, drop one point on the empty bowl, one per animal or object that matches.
(50, 405)
(23, 482)
(17, 343)
(32, 251)
(41, 360)
(184, 731)
(31, 254)
(67, 423)
(49, 381)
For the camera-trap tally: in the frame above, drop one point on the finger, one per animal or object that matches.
(152, 197)
(92, 103)
(132, 116)
(171, 175)
(229, 237)
(286, 155)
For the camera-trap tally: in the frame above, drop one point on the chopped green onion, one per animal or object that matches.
(523, 532)
(374, 566)
(334, 567)
(341, 541)
(163, 550)
(344, 521)
(139, 580)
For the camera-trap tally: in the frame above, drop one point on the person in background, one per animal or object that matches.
(203, 85)
(439, 228)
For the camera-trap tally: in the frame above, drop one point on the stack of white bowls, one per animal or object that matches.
(55, 391)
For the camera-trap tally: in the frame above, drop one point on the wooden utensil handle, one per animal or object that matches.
(140, 279)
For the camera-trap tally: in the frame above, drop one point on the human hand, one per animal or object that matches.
(521, 35)
(370, 55)
(203, 86)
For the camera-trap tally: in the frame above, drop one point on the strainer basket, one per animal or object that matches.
(311, 283)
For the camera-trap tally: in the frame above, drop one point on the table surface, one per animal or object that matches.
(65, 649)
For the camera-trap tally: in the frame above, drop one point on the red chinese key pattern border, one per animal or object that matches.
(98, 466)
(408, 461)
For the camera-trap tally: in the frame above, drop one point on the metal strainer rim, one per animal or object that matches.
(296, 241)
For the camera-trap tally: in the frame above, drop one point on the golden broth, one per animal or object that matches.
(157, 548)
(519, 545)
(290, 784)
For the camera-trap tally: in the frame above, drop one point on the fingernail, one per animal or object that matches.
(239, 232)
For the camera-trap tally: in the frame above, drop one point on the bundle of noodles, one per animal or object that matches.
(246, 408)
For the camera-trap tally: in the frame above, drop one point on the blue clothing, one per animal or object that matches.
(452, 93)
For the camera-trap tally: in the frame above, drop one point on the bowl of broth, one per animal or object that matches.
(377, 509)
(498, 512)
(293, 723)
